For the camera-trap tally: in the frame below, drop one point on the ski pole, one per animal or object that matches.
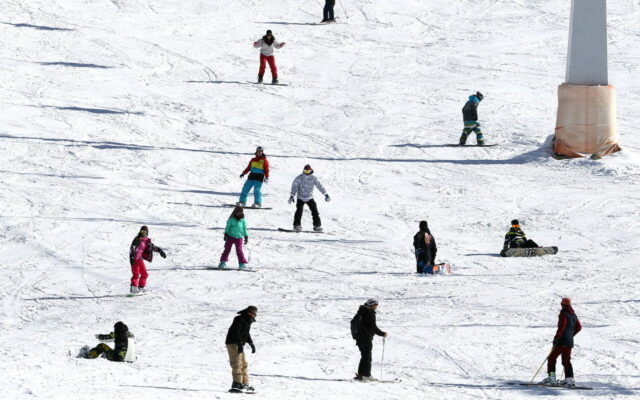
(343, 10)
(545, 360)
(382, 362)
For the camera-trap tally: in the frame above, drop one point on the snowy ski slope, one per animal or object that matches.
(121, 113)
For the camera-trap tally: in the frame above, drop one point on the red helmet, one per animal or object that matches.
(565, 301)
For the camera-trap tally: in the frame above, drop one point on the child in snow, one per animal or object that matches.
(470, 118)
(122, 351)
(568, 326)
(425, 249)
(141, 249)
(234, 233)
(327, 12)
(303, 186)
(266, 45)
(516, 238)
(258, 170)
(237, 336)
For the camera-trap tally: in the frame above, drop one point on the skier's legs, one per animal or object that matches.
(227, 250)
(332, 4)
(553, 357)
(365, 347)
(246, 188)
(566, 362)
(235, 362)
(325, 11)
(257, 192)
(263, 65)
(297, 218)
(142, 269)
(135, 272)
(272, 66)
(99, 349)
(239, 252)
(314, 213)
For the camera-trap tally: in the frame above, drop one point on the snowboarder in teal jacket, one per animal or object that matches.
(234, 234)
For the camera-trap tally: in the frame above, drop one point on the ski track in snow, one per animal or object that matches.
(123, 113)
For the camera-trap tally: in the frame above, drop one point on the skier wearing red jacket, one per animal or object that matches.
(568, 326)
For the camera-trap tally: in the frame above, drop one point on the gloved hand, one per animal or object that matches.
(240, 349)
(246, 240)
(291, 200)
(326, 197)
(226, 236)
(162, 253)
(266, 180)
(253, 348)
(556, 342)
(242, 175)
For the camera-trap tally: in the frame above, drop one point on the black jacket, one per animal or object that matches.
(470, 109)
(428, 253)
(368, 326)
(239, 330)
(514, 235)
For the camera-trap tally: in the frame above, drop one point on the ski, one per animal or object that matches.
(291, 230)
(249, 207)
(471, 145)
(552, 386)
(528, 252)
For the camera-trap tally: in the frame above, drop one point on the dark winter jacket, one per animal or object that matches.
(239, 330)
(367, 327)
(470, 109)
(147, 249)
(426, 252)
(568, 326)
(514, 235)
(121, 336)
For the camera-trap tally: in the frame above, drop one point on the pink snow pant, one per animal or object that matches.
(227, 249)
(272, 65)
(139, 270)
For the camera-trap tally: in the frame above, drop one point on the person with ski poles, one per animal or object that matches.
(267, 44)
(327, 12)
(568, 326)
(425, 248)
(141, 249)
(237, 336)
(303, 186)
(258, 170)
(234, 233)
(363, 328)
(470, 119)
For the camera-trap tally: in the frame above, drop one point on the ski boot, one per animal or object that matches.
(550, 380)
(274, 81)
(142, 289)
(568, 382)
(240, 203)
(248, 388)
(297, 228)
(222, 265)
(259, 78)
(317, 228)
(84, 352)
(256, 205)
(236, 387)
(242, 266)
(463, 139)
(134, 290)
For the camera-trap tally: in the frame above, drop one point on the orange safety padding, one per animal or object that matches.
(586, 122)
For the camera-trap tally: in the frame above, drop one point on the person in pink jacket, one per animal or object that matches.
(266, 45)
(141, 249)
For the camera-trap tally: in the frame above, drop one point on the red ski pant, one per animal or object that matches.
(272, 65)
(139, 274)
(565, 352)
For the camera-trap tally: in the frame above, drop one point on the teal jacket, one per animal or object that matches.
(236, 229)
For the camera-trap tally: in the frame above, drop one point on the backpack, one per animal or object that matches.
(356, 321)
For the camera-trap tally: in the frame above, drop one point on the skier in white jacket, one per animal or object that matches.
(303, 186)
(266, 45)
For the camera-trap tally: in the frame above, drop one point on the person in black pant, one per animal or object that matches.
(327, 12)
(366, 329)
(303, 186)
(425, 248)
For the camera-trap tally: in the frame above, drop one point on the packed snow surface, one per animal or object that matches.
(121, 113)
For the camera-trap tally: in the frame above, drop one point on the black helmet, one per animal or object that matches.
(479, 96)
(515, 222)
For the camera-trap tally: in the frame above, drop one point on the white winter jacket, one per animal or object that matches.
(265, 49)
(303, 186)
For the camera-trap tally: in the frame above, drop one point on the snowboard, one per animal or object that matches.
(248, 207)
(291, 230)
(443, 269)
(523, 252)
(552, 386)
(374, 380)
(240, 391)
(269, 84)
(232, 269)
(471, 145)
(137, 294)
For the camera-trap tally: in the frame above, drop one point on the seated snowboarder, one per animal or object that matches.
(123, 351)
(425, 249)
(516, 238)
(470, 119)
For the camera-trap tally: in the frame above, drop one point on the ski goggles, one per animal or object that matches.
(307, 171)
